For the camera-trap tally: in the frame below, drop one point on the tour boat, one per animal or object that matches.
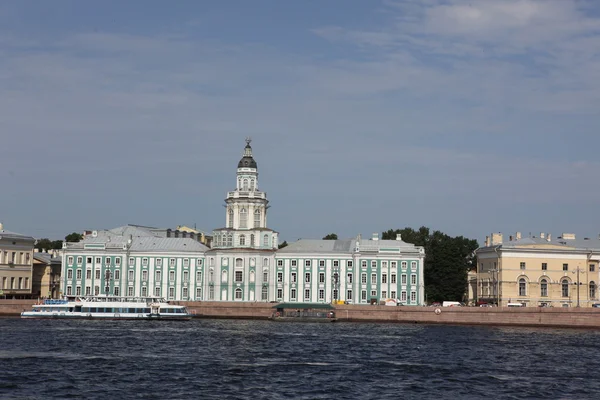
(108, 307)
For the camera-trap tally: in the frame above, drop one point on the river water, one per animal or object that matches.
(241, 359)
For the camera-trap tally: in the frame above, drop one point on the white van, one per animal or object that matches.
(515, 305)
(451, 304)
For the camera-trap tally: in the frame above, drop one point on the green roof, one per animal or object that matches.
(305, 306)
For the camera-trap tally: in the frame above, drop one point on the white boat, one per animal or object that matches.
(108, 307)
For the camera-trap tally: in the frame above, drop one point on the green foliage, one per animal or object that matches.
(47, 244)
(57, 244)
(74, 237)
(447, 261)
(331, 236)
(282, 245)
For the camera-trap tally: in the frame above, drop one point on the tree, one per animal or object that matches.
(43, 244)
(74, 237)
(331, 236)
(57, 244)
(447, 261)
(282, 245)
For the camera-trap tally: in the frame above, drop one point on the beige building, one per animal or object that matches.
(538, 271)
(46, 275)
(16, 260)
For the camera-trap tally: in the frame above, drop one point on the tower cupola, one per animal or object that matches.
(247, 160)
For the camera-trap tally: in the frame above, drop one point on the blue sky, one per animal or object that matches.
(469, 117)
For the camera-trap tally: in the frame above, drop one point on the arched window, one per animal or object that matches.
(265, 262)
(522, 287)
(266, 240)
(544, 288)
(565, 287)
(252, 240)
(239, 263)
(245, 186)
(257, 218)
(238, 294)
(592, 290)
(242, 240)
(230, 221)
(251, 184)
(224, 276)
(243, 218)
(230, 240)
(252, 276)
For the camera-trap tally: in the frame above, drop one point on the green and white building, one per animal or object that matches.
(244, 263)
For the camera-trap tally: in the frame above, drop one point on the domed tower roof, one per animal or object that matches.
(247, 160)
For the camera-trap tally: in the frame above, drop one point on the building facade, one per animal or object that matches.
(45, 278)
(539, 271)
(16, 262)
(243, 263)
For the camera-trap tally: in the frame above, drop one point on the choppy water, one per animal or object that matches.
(238, 359)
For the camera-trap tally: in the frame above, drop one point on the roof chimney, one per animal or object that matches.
(518, 235)
(496, 238)
(542, 235)
(398, 236)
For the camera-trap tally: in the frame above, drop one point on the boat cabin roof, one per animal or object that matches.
(305, 306)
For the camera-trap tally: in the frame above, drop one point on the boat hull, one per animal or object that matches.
(74, 315)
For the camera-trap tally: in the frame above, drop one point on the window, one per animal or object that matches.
(184, 293)
(404, 264)
(384, 294)
(245, 186)
(280, 277)
(307, 277)
(350, 277)
(279, 293)
(306, 294)
(97, 274)
(413, 265)
(230, 220)
(363, 264)
(592, 267)
(157, 291)
(117, 275)
(265, 262)
(522, 287)
(79, 260)
(565, 267)
(374, 279)
(280, 263)
(198, 293)
(69, 273)
(322, 294)
(144, 262)
(69, 260)
(321, 263)
(171, 292)
(252, 278)
(69, 290)
(172, 262)
(88, 290)
(131, 261)
(393, 294)
(265, 240)
(522, 265)
(239, 263)
(592, 290)
(384, 278)
(243, 218)
(256, 218)
(116, 291)
(413, 297)
(393, 278)
(78, 274)
(350, 264)
(294, 263)
(98, 260)
(238, 276)
(88, 274)
(118, 261)
(373, 293)
(242, 240)
(293, 294)
(88, 260)
(264, 294)
(199, 262)
(186, 262)
(238, 294)
(403, 296)
(565, 287)
(373, 264)
(413, 279)
(294, 277)
(393, 264)
(307, 263)
(544, 266)
(159, 262)
(224, 276)
(544, 288)
(186, 276)
(349, 295)
(384, 264)
(107, 260)
(252, 240)
(321, 277)
(265, 276)
(363, 278)
(157, 276)
(363, 295)
(211, 292)
(403, 279)
(96, 290)
(198, 276)
(171, 276)
(144, 275)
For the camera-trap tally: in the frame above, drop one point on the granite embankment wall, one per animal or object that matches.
(527, 316)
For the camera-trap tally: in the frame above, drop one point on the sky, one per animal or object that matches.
(468, 117)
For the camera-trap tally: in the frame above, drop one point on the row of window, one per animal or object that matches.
(117, 261)
(350, 278)
(130, 291)
(227, 240)
(15, 283)
(564, 284)
(384, 264)
(13, 257)
(349, 295)
(130, 275)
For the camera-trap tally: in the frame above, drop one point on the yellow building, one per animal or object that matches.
(16, 258)
(203, 237)
(46, 275)
(538, 271)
